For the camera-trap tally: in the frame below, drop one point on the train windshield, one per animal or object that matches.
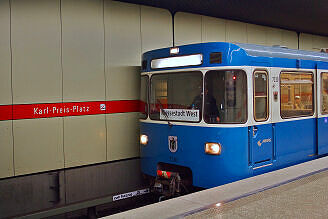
(225, 98)
(144, 97)
(179, 96)
(176, 96)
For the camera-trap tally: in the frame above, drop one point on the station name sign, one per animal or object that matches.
(48, 110)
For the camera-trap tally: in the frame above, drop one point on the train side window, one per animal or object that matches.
(296, 99)
(225, 97)
(324, 93)
(261, 96)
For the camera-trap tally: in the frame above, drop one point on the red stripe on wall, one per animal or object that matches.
(123, 106)
(48, 110)
(6, 112)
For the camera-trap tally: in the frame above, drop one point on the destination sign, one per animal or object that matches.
(190, 115)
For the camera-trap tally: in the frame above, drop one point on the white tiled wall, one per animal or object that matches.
(192, 28)
(36, 69)
(6, 139)
(5, 56)
(187, 28)
(72, 51)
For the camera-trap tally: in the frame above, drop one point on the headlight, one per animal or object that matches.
(213, 148)
(143, 139)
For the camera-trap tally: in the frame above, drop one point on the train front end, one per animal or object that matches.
(193, 130)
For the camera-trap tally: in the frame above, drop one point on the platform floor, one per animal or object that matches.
(299, 191)
(304, 198)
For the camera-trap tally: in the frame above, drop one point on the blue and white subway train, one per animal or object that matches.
(214, 113)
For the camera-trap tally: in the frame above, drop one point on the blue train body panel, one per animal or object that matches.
(261, 144)
(208, 170)
(291, 143)
(296, 141)
(322, 135)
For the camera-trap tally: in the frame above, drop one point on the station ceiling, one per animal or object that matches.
(305, 16)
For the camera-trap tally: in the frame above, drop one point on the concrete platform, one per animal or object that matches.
(304, 198)
(299, 191)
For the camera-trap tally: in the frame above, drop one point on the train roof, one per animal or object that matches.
(240, 54)
(282, 52)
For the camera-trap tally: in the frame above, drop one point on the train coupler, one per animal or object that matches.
(167, 184)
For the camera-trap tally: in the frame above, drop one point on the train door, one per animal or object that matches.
(322, 111)
(261, 139)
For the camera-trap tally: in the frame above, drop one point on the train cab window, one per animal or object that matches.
(296, 98)
(324, 93)
(225, 96)
(176, 96)
(144, 97)
(260, 95)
